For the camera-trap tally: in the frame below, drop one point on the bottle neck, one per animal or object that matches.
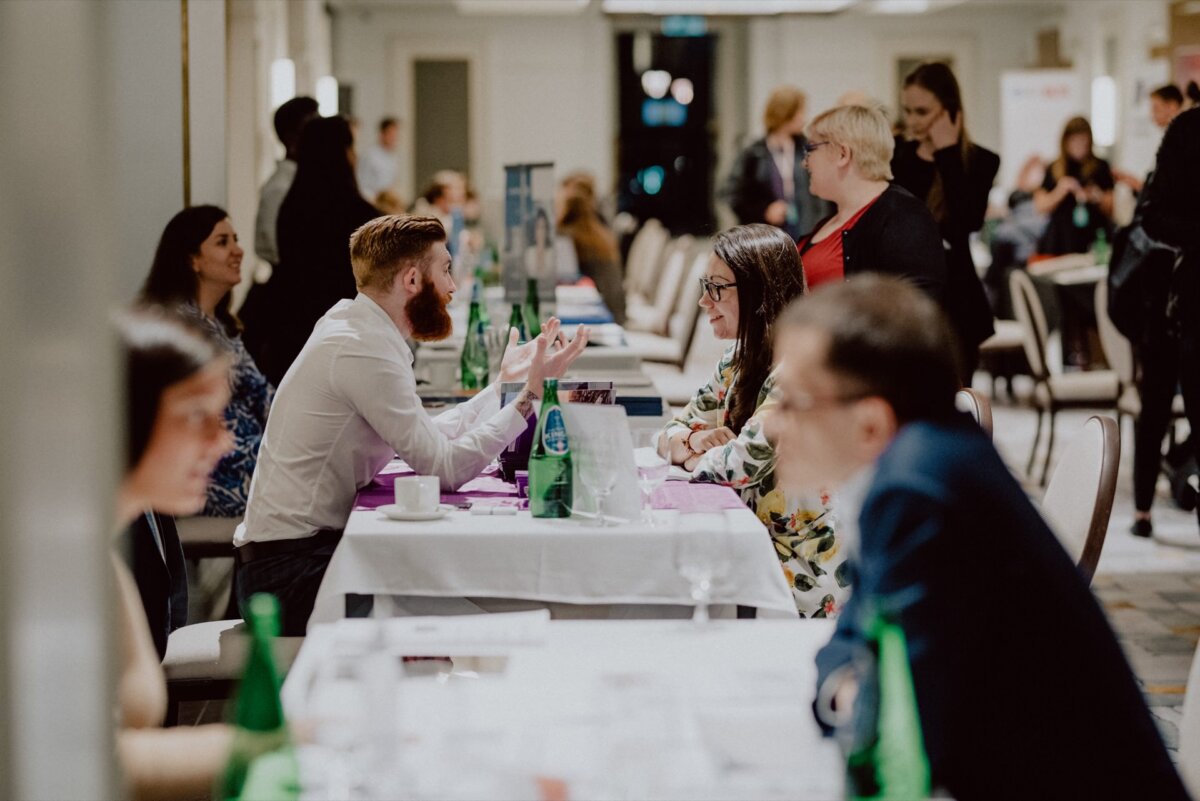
(550, 393)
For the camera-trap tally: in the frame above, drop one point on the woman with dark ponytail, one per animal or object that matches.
(753, 275)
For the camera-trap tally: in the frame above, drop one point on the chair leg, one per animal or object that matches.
(1049, 448)
(1037, 437)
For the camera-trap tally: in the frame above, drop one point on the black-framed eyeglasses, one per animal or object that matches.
(713, 289)
(798, 401)
(809, 147)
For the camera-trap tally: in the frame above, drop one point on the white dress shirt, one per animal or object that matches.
(376, 170)
(270, 198)
(345, 408)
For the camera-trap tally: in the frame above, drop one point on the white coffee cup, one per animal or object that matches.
(442, 373)
(418, 494)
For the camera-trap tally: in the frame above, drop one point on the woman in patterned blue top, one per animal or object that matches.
(196, 267)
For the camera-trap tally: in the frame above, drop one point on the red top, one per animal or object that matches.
(822, 261)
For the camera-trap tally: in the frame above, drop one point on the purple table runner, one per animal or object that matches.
(490, 490)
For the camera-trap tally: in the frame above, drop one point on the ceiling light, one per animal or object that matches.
(656, 83)
(327, 96)
(283, 81)
(723, 7)
(683, 91)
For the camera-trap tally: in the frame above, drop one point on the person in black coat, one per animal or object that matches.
(321, 210)
(1171, 214)
(879, 226)
(1020, 688)
(154, 555)
(942, 166)
(768, 182)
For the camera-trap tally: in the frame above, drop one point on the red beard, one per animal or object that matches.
(426, 312)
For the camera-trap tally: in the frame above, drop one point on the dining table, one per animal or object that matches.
(520, 706)
(507, 560)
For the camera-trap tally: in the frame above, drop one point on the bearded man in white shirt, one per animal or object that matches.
(349, 403)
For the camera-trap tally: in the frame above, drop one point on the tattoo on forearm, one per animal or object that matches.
(524, 402)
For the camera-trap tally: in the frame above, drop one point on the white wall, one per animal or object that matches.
(829, 56)
(206, 101)
(542, 87)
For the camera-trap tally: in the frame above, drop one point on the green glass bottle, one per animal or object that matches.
(533, 320)
(260, 727)
(517, 320)
(1100, 248)
(475, 358)
(478, 297)
(550, 474)
(893, 765)
(469, 357)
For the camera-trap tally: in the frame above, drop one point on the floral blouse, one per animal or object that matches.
(246, 418)
(803, 529)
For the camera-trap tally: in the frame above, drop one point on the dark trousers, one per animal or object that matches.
(1166, 363)
(1158, 379)
(294, 579)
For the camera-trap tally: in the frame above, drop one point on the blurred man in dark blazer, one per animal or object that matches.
(1020, 687)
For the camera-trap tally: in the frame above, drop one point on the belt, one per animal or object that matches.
(252, 551)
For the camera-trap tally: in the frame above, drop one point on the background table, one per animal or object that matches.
(432, 567)
(636, 709)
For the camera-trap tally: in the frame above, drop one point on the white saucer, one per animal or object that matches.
(396, 513)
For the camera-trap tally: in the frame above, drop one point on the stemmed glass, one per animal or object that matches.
(598, 472)
(337, 705)
(652, 470)
(702, 556)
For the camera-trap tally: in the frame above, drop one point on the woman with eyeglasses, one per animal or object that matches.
(940, 164)
(879, 226)
(176, 392)
(753, 274)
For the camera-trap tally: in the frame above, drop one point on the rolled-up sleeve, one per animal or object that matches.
(385, 396)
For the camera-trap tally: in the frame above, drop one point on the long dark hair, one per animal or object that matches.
(160, 348)
(172, 281)
(937, 78)
(766, 269)
(323, 170)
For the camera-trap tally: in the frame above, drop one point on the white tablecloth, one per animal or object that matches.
(645, 709)
(520, 557)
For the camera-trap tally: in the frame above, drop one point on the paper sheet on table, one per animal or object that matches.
(586, 424)
(506, 628)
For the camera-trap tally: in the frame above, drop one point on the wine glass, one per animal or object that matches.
(598, 472)
(702, 556)
(652, 468)
(336, 707)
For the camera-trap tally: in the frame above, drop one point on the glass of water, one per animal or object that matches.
(652, 469)
(703, 556)
(598, 472)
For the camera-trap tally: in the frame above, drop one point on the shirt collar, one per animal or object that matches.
(367, 302)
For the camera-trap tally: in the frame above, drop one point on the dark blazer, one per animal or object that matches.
(156, 563)
(755, 183)
(1022, 689)
(896, 236)
(965, 187)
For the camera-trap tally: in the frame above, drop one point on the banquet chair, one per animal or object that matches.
(673, 345)
(1001, 353)
(204, 661)
(653, 313)
(1189, 731)
(645, 254)
(206, 537)
(976, 404)
(209, 538)
(1053, 390)
(1078, 501)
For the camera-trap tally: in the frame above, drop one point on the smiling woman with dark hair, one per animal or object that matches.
(753, 275)
(196, 266)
